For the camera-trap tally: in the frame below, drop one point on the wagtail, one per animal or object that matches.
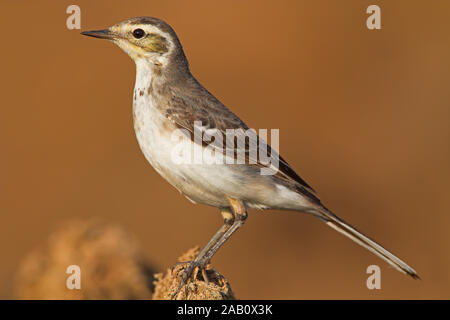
(167, 98)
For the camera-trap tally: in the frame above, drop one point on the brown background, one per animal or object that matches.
(363, 116)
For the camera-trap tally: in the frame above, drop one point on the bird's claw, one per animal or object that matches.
(189, 273)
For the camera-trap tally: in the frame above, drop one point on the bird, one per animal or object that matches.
(167, 98)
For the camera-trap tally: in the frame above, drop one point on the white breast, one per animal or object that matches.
(148, 121)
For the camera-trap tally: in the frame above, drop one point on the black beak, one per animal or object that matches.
(102, 34)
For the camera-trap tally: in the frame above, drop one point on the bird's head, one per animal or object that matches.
(144, 38)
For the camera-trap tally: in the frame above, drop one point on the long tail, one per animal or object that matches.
(340, 225)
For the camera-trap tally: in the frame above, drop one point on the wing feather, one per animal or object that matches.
(197, 104)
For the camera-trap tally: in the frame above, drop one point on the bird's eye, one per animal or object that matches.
(138, 33)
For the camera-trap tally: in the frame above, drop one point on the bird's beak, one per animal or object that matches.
(102, 34)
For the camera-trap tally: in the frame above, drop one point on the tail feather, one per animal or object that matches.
(341, 226)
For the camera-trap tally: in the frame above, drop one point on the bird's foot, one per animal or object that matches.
(189, 272)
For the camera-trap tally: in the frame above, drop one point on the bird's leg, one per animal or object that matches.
(228, 218)
(240, 215)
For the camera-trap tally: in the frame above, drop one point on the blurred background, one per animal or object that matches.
(363, 115)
